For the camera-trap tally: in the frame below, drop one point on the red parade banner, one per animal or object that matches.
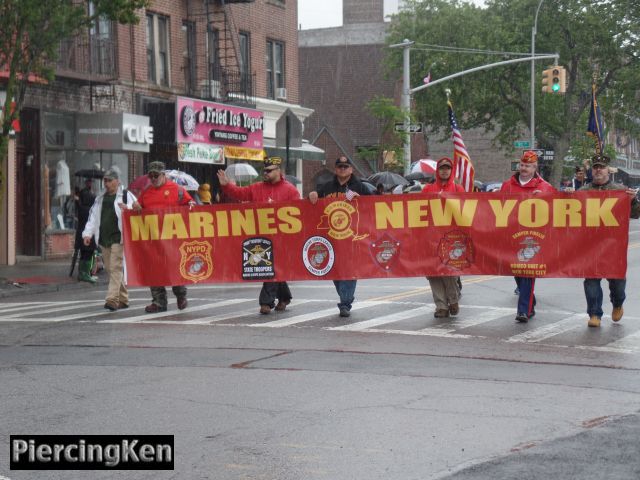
(580, 235)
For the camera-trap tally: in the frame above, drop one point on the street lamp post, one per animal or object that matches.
(405, 101)
(533, 78)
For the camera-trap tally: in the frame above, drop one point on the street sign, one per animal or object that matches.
(413, 127)
(521, 144)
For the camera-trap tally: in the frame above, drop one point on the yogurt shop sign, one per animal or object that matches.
(218, 124)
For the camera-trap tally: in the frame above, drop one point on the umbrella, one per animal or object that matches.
(371, 188)
(388, 179)
(425, 165)
(91, 173)
(292, 179)
(183, 179)
(139, 185)
(241, 171)
(418, 176)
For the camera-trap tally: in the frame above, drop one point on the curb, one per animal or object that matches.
(27, 289)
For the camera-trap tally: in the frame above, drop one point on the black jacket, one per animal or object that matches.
(333, 189)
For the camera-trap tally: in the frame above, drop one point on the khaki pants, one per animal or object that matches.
(445, 291)
(112, 257)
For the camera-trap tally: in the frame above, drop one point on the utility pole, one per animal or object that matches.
(405, 102)
(532, 126)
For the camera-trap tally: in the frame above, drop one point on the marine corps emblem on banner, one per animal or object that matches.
(341, 219)
(456, 250)
(529, 250)
(257, 259)
(195, 262)
(318, 256)
(385, 251)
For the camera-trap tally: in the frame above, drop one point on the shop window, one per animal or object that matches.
(158, 49)
(66, 172)
(189, 54)
(275, 70)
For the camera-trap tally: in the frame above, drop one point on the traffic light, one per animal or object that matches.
(554, 80)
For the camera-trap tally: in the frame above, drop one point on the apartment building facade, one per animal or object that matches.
(128, 94)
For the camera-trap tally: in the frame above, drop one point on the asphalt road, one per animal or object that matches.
(389, 393)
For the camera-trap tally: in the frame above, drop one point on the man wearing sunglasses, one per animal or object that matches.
(526, 180)
(160, 194)
(344, 185)
(273, 188)
(592, 287)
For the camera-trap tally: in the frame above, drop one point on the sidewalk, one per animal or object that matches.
(29, 277)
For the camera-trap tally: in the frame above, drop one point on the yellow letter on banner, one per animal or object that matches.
(201, 225)
(242, 224)
(502, 211)
(173, 227)
(386, 216)
(144, 227)
(566, 208)
(600, 213)
(443, 216)
(531, 208)
(289, 215)
(417, 212)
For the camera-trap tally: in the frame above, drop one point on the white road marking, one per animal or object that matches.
(384, 319)
(551, 330)
(307, 317)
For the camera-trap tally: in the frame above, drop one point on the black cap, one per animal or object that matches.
(600, 160)
(343, 161)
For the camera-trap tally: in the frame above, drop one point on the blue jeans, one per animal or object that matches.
(526, 297)
(346, 290)
(593, 292)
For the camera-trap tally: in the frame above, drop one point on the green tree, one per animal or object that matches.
(388, 114)
(30, 36)
(595, 40)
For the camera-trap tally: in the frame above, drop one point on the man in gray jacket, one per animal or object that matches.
(105, 224)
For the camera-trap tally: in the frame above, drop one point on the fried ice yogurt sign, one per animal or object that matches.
(446, 234)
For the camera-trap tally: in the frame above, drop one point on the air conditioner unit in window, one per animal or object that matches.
(281, 93)
(210, 89)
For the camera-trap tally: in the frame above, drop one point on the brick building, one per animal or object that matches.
(115, 101)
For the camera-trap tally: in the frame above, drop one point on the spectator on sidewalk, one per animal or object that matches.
(163, 193)
(105, 225)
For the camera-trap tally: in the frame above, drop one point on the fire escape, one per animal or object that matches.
(222, 69)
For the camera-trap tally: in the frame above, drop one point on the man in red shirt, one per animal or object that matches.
(445, 290)
(274, 188)
(160, 194)
(526, 180)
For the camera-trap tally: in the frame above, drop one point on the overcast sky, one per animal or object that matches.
(328, 13)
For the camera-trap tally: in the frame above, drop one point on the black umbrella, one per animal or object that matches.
(92, 173)
(371, 188)
(388, 179)
(418, 176)
(293, 179)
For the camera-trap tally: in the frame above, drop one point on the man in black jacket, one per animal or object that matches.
(344, 186)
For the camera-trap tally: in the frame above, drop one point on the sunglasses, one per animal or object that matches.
(154, 175)
(599, 167)
(344, 165)
(269, 170)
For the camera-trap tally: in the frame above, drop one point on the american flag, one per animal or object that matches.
(465, 172)
(349, 194)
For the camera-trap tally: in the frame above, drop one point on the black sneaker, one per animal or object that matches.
(344, 312)
(522, 318)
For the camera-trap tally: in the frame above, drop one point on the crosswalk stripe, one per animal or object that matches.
(384, 319)
(49, 311)
(18, 307)
(479, 318)
(152, 317)
(307, 317)
(548, 331)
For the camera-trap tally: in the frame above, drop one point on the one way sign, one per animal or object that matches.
(412, 127)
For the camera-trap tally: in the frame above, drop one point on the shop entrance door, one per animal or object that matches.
(28, 190)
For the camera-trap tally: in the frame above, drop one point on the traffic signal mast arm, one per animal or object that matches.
(555, 56)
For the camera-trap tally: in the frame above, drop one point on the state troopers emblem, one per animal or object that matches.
(341, 219)
(456, 250)
(195, 262)
(257, 259)
(318, 256)
(385, 251)
(529, 250)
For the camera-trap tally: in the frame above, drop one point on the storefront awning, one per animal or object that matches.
(632, 172)
(305, 152)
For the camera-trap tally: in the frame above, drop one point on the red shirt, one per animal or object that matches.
(263, 192)
(165, 196)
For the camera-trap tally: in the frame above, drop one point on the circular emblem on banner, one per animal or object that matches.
(188, 121)
(318, 256)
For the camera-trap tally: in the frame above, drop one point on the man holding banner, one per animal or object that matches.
(274, 188)
(526, 180)
(592, 288)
